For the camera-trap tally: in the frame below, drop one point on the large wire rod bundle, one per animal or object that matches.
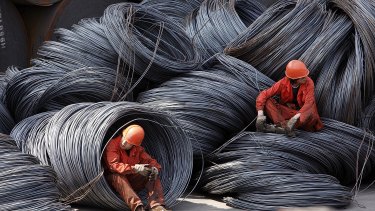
(6, 120)
(85, 45)
(362, 13)
(270, 42)
(216, 22)
(75, 138)
(24, 183)
(261, 171)
(212, 104)
(32, 90)
(29, 136)
(24, 87)
(175, 9)
(368, 117)
(149, 42)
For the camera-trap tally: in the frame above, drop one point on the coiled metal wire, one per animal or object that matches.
(6, 120)
(149, 42)
(217, 22)
(267, 171)
(368, 120)
(24, 183)
(213, 103)
(74, 139)
(175, 9)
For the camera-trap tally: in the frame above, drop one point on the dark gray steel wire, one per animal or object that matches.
(217, 22)
(268, 171)
(175, 9)
(368, 120)
(24, 183)
(76, 136)
(213, 103)
(6, 120)
(278, 35)
(149, 42)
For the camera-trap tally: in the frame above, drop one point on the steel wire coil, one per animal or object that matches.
(261, 171)
(75, 137)
(149, 42)
(212, 103)
(217, 22)
(6, 120)
(175, 9)
(24, 183)
(85, 45)
(368, 121)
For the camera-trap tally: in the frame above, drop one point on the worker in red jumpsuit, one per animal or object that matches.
(130, 169)
(295, 107)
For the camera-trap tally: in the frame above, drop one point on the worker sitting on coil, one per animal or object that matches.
(129, 169)
(295, 107)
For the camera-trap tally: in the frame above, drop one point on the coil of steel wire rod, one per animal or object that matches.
(175, 9)
(76, 136)
(213, 103)
(30, 139)
(368, 120)
(24, 183)
(6, 120)
(260, 45)
(267, 171)
(41, 22)
(149, 42)
(217, 22)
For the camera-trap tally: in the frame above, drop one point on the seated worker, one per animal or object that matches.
(130, 169)
(296, 106)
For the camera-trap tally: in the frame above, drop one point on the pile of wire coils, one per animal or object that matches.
(189, 72)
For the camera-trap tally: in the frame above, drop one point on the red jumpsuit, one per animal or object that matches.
(123, 178)
(280, 112)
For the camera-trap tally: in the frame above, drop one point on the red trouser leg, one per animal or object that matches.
(122, 185)
(278, 113)
(155, 193)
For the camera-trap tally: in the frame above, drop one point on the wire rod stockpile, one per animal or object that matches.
(6, 120)
(368, 117)
(213, 103)
(24, 183)
(268, 171)
(217, 22)
(75, 137)
(335, 40)
(149, 42)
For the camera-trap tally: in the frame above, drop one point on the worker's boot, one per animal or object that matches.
(159, 208)
(260, 124)
(270, 128)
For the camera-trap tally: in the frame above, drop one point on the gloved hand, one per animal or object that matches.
(154, 173)
(142, 169)
(261, 120)
(290, 126)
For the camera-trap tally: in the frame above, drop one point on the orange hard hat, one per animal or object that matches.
(133, 134)
(296, 69)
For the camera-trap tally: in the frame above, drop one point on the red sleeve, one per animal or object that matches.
(112, 159)
(146, 158)
(309, 99)
(265, 94)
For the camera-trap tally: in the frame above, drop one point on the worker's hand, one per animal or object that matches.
(261, 120)
(142, 169)
(154, 173)
(291, 125)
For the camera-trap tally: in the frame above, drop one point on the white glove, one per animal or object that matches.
(141, 169)
(154, 173)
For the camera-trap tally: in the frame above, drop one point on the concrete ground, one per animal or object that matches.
(365, 201)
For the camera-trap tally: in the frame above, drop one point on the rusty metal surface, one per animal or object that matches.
(41, 22)
(13, 37)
